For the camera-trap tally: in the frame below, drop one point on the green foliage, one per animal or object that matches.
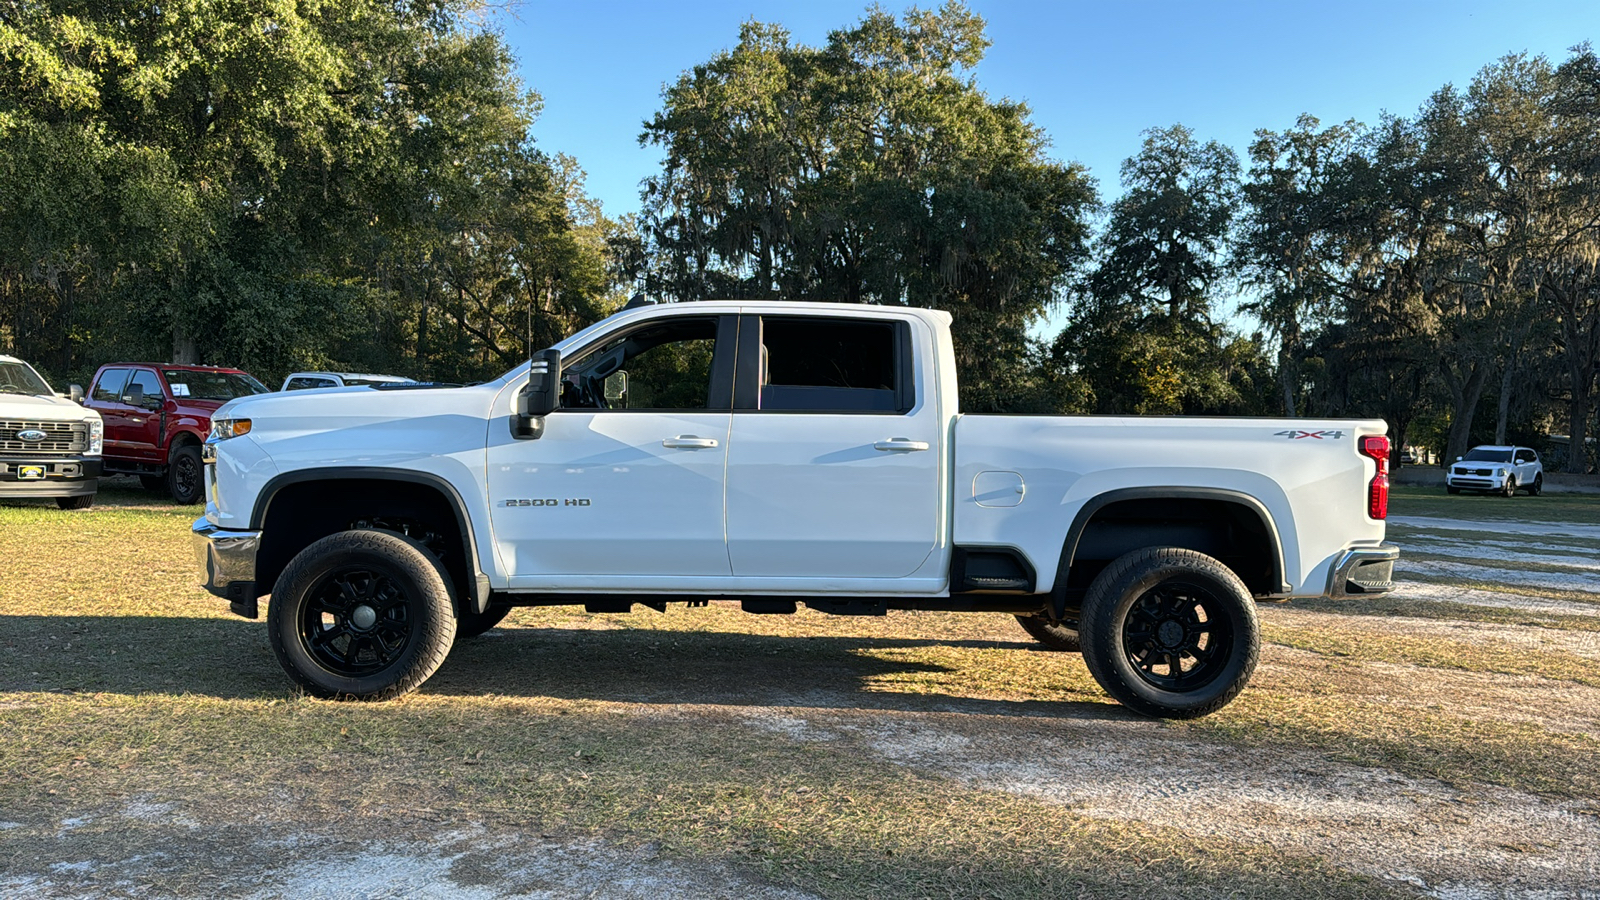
(1141, 338)
(279, 185)
(871, 169)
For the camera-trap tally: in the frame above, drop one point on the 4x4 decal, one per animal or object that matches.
(1297, 435)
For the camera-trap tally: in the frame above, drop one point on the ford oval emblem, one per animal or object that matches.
(32, 435)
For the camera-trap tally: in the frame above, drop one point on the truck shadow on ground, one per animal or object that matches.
(231, 660)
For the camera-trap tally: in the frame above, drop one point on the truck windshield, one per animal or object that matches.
(212, 385)
(20, 378)
(1478, 454)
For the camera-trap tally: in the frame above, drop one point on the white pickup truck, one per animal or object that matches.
(50, 446)
(775, 454)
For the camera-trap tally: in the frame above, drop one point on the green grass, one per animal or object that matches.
(1433, 502)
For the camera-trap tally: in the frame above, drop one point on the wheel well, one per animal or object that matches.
(1229, 531)
(307, 511)
(180, 440)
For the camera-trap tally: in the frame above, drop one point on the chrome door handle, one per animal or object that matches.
(689, 442)
(900, 444)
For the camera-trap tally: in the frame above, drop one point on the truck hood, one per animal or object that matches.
(42, 407)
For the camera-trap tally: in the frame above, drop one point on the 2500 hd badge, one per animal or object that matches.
(570, 501)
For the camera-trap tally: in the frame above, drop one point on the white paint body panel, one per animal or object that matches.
(791, 503)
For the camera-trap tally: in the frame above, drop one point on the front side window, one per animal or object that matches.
(660, 367)
(145, 380)
(826, 365)
(109, 388)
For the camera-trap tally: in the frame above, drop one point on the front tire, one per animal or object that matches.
(1510, 490)
(1452, 489)
(1170, 632)
(364, 615)
(82, 501)
(185, 475)
(1054, 635)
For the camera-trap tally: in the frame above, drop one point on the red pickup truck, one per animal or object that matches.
(157, 416)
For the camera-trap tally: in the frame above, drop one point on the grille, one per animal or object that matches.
(60, 437)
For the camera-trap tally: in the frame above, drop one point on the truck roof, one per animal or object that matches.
(180, 366)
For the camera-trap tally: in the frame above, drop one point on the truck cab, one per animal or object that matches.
(157, 417)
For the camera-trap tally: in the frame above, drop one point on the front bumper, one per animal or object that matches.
(22, 475)
(1365, 570)
(1475, 482)
(229, 560)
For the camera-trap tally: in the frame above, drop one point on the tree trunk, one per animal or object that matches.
(1504, 410)
(1578, 419)
(183, 349)
(1464, 397)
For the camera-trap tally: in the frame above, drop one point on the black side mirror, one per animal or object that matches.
(75, 393)
(134, 395)
(540, 397)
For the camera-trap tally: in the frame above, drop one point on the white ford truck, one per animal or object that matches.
(775, 454)
(50, 447)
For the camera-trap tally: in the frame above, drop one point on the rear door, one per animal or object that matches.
(833, 462)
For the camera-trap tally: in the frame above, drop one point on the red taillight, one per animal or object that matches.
(1377, 447)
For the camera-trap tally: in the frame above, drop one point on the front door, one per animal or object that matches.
(834, 461)
(627, 478)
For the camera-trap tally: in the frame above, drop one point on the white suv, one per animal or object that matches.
(1498, 469)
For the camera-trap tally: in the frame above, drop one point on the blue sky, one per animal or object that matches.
(1094, 74)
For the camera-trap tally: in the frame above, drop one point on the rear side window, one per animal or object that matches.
(830, 365)
(109, 388)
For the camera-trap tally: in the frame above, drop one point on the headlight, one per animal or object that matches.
(97, 437)
(222, 429)
(1500, 473)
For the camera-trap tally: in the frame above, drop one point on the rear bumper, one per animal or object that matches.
(1365, 570)
(228, 559)
(63, 476)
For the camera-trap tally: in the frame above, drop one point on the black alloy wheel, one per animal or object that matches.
(1170, 632)
(356, 621)
(363, 614)
(185, 474)
(1176, 637)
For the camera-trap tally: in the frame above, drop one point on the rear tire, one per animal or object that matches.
(83, 501)
(1537, 487)
(471, 624)
(1052, 634)
(363, 615)
(185, 475)
(1166, 608)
